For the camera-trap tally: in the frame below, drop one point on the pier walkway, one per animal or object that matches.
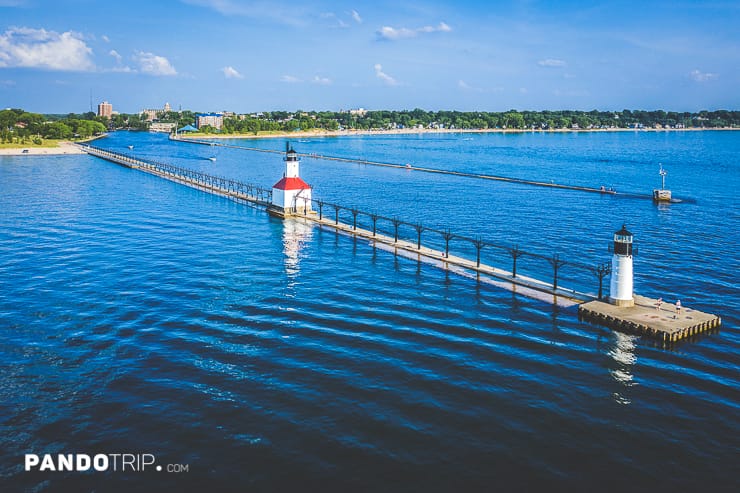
(227, 187)
(259, 196)
(642, 319)
(423, 169)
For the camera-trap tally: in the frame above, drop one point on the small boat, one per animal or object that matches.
(212, 158)
(130, 147)
(661, 194)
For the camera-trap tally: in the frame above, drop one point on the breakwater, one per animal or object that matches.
(519, 181)
(595, 311)
(391, 232)
(227, 187)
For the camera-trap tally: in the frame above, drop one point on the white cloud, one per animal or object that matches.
(387, 32)
(356, 16)
(442, 27)
(551, 62)
(290, 79)
(383, 76)
(463, 85)
(392, 33)
(122, 69)
(118, 68)
(699, 76)
(105, 38)
(332, 16)
(324, 81)
(152, 64)
(39, 48)
(231, 73)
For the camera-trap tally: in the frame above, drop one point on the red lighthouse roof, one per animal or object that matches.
(291, 184)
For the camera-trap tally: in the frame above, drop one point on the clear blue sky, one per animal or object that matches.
(245, 56)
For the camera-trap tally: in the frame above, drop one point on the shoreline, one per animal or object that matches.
(411, 131)
(62, 148)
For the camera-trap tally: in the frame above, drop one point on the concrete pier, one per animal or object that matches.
(645, 318)
(528, 286)
(423, 169)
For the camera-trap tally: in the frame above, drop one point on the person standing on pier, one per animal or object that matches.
(678, 308)
(658, 304)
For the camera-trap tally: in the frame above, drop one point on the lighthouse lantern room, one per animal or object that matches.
(291, 195)
(620, 289)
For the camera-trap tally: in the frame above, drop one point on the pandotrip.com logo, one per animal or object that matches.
(119, 462)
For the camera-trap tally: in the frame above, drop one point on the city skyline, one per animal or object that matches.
(213, 55)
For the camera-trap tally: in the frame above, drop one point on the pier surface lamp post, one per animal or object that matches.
(620, 287)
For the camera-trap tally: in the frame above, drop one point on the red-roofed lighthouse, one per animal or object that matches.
(291, 195)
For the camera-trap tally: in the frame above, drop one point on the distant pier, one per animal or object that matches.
(645, 318)
(423, 169)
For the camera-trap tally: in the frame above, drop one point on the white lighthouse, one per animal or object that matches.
(291, 195)
(620, 288)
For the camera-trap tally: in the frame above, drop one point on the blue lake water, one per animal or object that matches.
(142, 316)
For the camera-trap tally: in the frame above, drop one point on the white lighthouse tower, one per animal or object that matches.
(291, 195)
(620, 288)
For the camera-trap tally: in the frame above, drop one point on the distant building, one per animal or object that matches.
(358, 112)
(105, 109)
(162, 127)
(215, 120)
(151, 114)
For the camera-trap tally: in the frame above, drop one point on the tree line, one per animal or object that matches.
(465, 120)
(19, 126)
(22, 127)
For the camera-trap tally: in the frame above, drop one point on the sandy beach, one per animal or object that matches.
(62, 148)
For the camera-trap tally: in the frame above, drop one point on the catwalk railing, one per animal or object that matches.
(483, 250)
(352, 218)
(218, 184)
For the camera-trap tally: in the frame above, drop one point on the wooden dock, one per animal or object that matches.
(645, 318)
